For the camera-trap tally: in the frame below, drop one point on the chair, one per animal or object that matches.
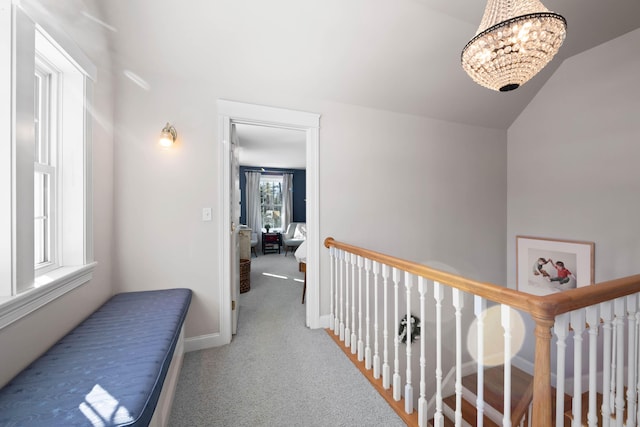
(302, 267)
(301, 257)
(254, 243)
(296, 234)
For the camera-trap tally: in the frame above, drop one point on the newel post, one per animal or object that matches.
(542, 414)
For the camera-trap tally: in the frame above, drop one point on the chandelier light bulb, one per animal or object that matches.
(515, 40)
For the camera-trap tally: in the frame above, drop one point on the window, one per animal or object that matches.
(45, 184)
(271, 200)
(45, 173)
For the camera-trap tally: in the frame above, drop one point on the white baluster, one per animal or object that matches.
(480, 310)
(386, 370)
(367, 350)
(561, 329)
(342, 287)
(332, 288)
(397, 384)
(438, 418)
(638, 361)
(354, 338)
(336, 320)
(593, 321)
(619, 311)
(376, 356)
(506, 325)
(458, 304)
(614, 370)
(422, 401)
(606, 316)
(577, 324)
(360, 342)
(631, 364)
(408, 387)
(347, 292)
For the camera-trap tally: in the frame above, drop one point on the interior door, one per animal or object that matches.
(234, 211)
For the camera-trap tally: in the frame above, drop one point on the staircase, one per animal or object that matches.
(370, 294)
(521, 387)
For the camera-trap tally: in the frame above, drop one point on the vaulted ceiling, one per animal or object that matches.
(396, 55)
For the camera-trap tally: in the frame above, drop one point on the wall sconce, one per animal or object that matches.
(168, 136)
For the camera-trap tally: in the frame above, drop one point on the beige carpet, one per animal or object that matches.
(276, 372)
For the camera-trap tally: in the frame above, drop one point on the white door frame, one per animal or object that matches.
(230, 112)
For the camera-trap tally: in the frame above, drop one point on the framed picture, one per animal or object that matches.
(545, 266)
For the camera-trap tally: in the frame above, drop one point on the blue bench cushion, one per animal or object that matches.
(108, 371)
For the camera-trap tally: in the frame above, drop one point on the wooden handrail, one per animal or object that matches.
(543, 310)
(544, 307)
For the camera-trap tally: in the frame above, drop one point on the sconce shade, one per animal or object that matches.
(516, 39)
(168, 136)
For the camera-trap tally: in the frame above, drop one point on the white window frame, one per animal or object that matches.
(46, 135)
(274, 179)
(25, 30)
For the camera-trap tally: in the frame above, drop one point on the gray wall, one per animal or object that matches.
(573, 162)
(410, 186)
(573, 159)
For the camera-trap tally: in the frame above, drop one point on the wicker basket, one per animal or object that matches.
(245, 275)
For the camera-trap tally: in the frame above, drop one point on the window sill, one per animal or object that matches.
(47, 288)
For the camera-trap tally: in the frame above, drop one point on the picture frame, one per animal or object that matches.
(538, 271)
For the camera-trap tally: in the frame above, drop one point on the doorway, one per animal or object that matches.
(229, 114)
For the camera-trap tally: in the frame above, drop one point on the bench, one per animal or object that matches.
(119, 367)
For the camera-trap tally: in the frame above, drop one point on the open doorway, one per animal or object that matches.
(277, 156)
(272, 186)
(231, 114)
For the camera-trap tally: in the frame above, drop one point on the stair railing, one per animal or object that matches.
(361, 278)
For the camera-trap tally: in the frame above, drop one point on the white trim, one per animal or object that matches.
(62, 281)
(20, 293)
(494, 414)
(237, 112)
(60, 39)
(268, 116)
(6, 150)
(448, 383)
(162, 412)
(523, 364)
(224, 260)
(325, 321)
(313, 232)
(22, 140)
(203, 341)
(450, 414)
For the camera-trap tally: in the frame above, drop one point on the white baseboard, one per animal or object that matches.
(522, 364)
(325, 321)
(203, 341)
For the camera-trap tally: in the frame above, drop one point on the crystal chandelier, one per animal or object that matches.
(515, 40)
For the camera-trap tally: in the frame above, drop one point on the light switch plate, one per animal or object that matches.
(206, 214)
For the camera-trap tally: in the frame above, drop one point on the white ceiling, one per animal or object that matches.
(395, 55)
(271, 147)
